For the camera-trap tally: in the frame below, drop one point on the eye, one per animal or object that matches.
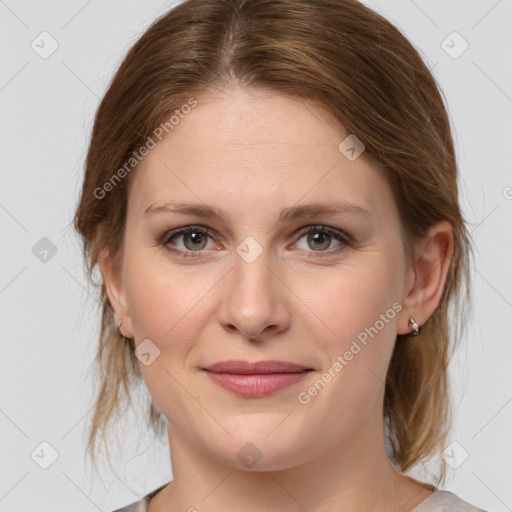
(194, 240)
(320, 238)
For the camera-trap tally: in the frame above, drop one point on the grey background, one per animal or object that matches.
(48, 318)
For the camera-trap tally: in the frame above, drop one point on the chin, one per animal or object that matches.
(260, 448)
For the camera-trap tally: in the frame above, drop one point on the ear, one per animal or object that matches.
(115, 291)
(426, 276)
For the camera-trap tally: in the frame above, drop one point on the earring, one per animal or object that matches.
(118, 325)
(415, 327)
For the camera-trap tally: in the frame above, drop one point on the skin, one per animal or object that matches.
(251, 154)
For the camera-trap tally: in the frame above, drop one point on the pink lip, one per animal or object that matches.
(257, 379)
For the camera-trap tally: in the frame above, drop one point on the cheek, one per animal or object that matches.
(358, 309)
(356, 357)
(353, 300)
(165, 307)
(166, 304)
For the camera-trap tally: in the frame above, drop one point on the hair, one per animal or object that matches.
(364, 72)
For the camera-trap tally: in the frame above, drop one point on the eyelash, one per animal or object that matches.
(346, 240)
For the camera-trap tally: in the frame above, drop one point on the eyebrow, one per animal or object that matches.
(289, 213)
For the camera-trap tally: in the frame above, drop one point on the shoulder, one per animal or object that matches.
(137, 506)
(142, 504)
(445, 501)
(438, 501)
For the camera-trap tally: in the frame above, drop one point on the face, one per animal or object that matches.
(272, 278)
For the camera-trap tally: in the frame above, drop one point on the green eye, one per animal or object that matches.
(319, 239)
(195, 238)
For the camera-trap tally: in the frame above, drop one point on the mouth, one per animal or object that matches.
(258, 379)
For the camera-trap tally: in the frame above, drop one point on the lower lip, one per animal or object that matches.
(255, 385)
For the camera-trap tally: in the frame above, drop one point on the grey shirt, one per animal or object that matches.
(438, 501)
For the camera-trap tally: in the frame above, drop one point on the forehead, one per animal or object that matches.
(257, 147)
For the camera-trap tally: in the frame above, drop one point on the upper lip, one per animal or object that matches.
(249, 368)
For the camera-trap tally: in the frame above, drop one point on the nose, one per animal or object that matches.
(254, 299)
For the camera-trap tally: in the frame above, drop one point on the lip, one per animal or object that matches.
(255, 379)
(248, 368)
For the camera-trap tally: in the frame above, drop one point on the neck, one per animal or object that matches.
(354, 476)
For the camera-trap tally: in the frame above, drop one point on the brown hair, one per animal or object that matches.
(361, 69)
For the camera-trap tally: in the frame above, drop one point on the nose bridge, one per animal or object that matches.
(253, 299)
(251, 278)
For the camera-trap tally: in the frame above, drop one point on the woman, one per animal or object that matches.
(271, 197)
